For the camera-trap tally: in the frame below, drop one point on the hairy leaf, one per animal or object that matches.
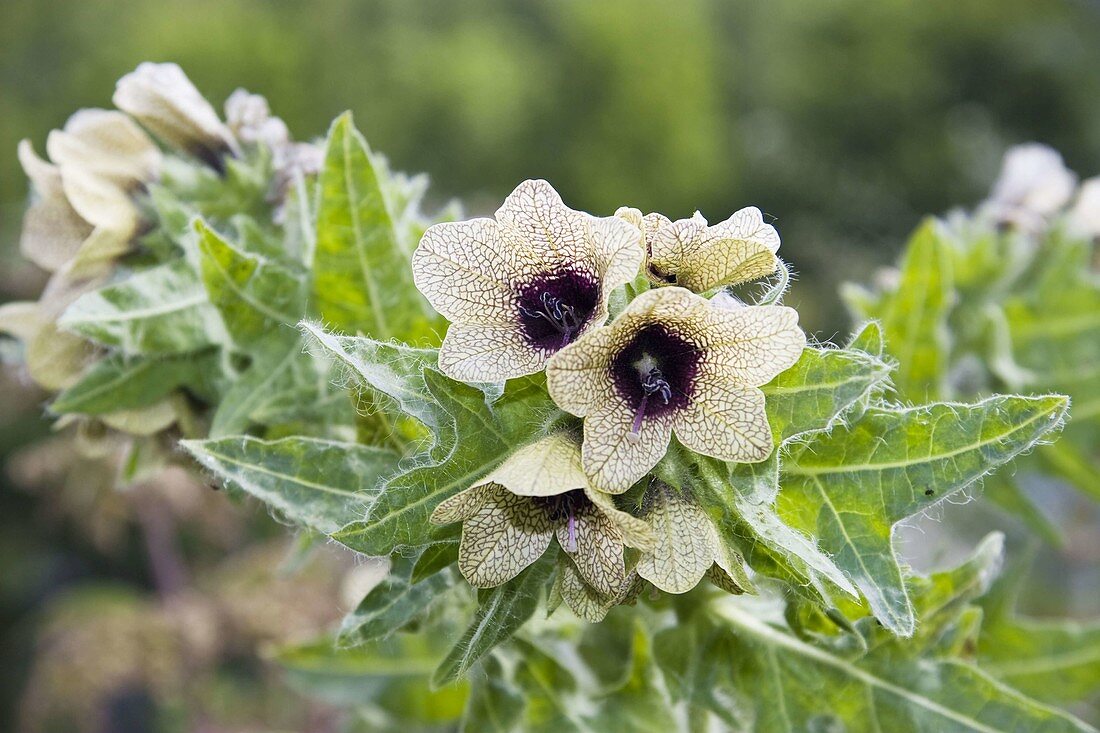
(893, 685)
(362, 280)
(284, 383)
(120, 383)
(500, 613)
(914, 314)
(392, 604)
(477, 438)
(818, 389)
(163, 310)
(320, 484)
(392, 371)
(848, 488)
(254, 295)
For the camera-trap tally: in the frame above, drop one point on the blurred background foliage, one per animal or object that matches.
(844, 121)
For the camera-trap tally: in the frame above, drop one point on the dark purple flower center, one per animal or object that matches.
(563, 508)
(555, 307)
(655, 372)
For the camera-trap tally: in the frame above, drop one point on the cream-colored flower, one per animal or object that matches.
(163, 99)
(1084, 217)
(83, 214)
(687, 546)
(509, 517)
(672, 361)
(103, 157)
(694, 255)
(583, 600)
(1034, 184)
(249, 118)
(519, 287)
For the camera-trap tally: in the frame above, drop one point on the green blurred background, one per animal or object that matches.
(844, 121)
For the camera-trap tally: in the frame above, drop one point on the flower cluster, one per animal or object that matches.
(531, 289)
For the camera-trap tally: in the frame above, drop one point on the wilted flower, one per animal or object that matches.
(1034, 184)
(1084, 217)
(84, 210)
(672, 361)
(540, 492)
(163, 99)
(687, 546)
(520, 287)
(249, 118)
(103, 157)
(699, 257)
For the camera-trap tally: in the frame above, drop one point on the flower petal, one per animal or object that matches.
(725, 420)
(464, 272)
(752, 345)
(107, 144)
(576, 376)
(504, 536)
(599, 549)
(487, 353)
(614, 459)
(618, 249)
(669, 244)
(748, 225)
(636, 532)
(163, 99)
(461, 506)
(581, 598)
(543, 231)
(728, 571)
(547, 467)
(685, 542)
(52, 229)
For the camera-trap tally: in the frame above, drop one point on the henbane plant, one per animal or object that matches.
(620, 493)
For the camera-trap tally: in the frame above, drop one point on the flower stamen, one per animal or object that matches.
(561, 316)
(653, 383)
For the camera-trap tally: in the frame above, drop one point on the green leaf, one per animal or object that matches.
(1054, 328)
(319, 484)
(741, 500)
(254, 295)
(914, 315)
(284, 383)
(163, 310)
(120, 383)
(500, 613)
(475, 440)
(392, 604)
(818, 389)
(436, 557)
(1053, 660)
(849, 487)
(392, 371)
(390, 676)
(686, 654)
(362, 275)
(494, 705)
(796, 685)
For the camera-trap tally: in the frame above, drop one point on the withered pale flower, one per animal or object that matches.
(672, 361)
(1034, 184)
(251, 122)
(540, 492)
(519, 287)
(687, 546)
(103, 158)
(1084, 216)
(694, 255)
(163, 99)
